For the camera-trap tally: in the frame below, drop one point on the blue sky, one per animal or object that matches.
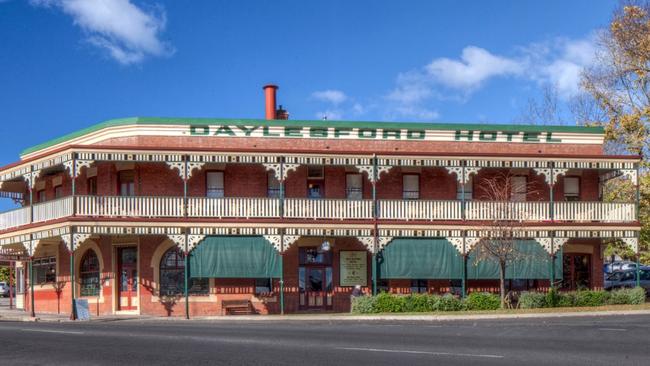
(68, 64)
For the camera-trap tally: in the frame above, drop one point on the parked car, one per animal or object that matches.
(619, 266)
(627, 279)
(4, 289)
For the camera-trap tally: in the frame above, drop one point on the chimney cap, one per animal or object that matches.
(270, 86)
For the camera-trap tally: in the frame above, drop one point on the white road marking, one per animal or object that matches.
(418, 352)
(613, 329)
(51, 331)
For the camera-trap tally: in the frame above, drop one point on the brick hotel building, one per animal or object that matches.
(192, 216)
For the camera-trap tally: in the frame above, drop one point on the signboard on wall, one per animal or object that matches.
(353, 268)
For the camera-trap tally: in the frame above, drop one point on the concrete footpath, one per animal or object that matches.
(21, 316)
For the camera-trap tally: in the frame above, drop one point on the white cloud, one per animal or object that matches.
(332, 96)
(127, 32)
(475, 66)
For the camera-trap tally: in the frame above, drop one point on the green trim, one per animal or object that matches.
(310, 123)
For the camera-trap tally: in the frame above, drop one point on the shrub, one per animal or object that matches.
(449, 302)
(532, 300)
(591, 298)
(420, 302)
(364, 304)
(634, 296)
(553, 298)
(566, 300)
(387, 303)
(482, 301)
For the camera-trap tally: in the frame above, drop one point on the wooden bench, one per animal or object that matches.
(237, 307)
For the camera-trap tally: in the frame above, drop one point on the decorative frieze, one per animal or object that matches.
(550, 174)
(327, 160)
(281, 171)
(73, 167)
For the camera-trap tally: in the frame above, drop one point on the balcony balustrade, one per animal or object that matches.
(128, 206)
(312, 209)
(236, 207)
(518, 211)
(342, 209)
(419, 210)
(595, 211)
(52, 210)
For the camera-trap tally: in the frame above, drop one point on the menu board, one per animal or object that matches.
(353, 268)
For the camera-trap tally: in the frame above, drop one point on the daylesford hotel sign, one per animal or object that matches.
(373, 133)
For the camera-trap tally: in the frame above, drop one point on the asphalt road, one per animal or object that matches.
(611, 340)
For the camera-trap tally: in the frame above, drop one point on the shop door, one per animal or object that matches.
(128, 278)
(576, 271)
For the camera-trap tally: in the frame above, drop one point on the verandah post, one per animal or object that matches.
(282, 236)
(72, 285)
(31, 281)
(375, 214)
(462, 191)
(552, 276)
(463, 283)
(551, 200)
(186, 277)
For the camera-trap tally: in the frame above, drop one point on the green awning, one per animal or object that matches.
(535, 263)
(234, 257)
(436, 258)
(424, 258)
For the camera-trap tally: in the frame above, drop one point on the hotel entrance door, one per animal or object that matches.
(315, 278)
(128, 278)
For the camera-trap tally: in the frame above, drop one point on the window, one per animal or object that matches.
(89, 274)
(419, 286)
(273, 185)
(44, 270)
(315, 256)
(126, 181)
(315, 172)
(468, 189)
(628, 276)
(263, 286)
(91, 186)
(58, 191)
(41, 196)
(518, 188)
(571, 188)
(214, 184)
(354, 186)
(410, 186)
(645, 275)
(172, 276)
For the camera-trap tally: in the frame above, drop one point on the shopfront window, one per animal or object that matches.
(263, 286)
(44, 270)
(172, 276)
(89, 274)
(419, 286)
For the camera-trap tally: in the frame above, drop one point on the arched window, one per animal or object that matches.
(172, 276)
(89, 274)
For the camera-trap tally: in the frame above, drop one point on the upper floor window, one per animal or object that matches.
(214, 184)
(518, 188)
(466, 189)
(44, 270)
(571, 188)
(89, 274)
(273, 185)
(91, 186)
(41, 196)
(354, 186)
(58, 191)
(410, 186)
(315, 172)
(126, 181)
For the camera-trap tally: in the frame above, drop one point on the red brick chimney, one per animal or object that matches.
(272, 112)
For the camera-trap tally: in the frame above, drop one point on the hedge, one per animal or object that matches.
(390, 303)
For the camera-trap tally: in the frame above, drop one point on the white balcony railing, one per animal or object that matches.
(233, 207)
(302, 208)
(118, 206)
(520, 211)
(14, 218)
(52, 210)
(594, 211)
(419, 210)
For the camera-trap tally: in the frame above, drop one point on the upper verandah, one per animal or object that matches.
(327, 135)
